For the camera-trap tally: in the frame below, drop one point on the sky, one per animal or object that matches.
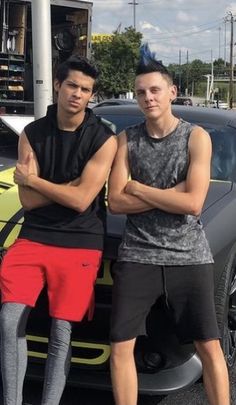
(177, 30)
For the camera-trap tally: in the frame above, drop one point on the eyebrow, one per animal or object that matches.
(150, 88)
(70, 81)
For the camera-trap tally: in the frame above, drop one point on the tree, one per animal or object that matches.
(116, 60)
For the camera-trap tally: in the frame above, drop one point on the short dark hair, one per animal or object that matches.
(76, 62)
(148, 63)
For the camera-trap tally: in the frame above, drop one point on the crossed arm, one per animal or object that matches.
(185, 198)
(35, 191)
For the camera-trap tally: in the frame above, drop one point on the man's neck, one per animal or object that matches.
(161, 128)
(69, 122)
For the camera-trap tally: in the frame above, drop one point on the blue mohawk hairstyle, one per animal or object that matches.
(148, 62)
(146, 55)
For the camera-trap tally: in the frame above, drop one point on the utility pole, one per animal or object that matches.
(187, 73)
(180, 72)
(219, 40)
(42, 56)
(134, 4)
(211, 92)
(225, 44)
(230, 18)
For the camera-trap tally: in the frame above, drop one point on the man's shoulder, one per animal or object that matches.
(100, 123)
(136, 128)
(36, 124)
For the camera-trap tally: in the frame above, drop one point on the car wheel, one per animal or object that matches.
(225, 300)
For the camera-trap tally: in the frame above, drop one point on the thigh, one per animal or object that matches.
(191, 298)
(71, 276)
(21, 273)
(136, 288)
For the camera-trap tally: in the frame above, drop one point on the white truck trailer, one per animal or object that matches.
(70, 33)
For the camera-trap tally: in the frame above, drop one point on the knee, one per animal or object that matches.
(8, 324)
(122, 352)
(209, 350)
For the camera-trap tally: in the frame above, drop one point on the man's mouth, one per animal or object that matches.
(150, 107)
(74, 103)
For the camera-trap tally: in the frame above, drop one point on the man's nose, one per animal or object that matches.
(77, 92)
(148, 96)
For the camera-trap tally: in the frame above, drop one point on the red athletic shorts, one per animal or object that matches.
(69, 273)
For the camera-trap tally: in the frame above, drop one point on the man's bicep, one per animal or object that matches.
(120, 169)
(24, 149)
(198, 176)
(98, 167)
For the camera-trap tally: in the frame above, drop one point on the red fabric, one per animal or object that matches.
(69, 273)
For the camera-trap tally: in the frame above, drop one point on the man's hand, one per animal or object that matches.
(24, 170)
(132, 187)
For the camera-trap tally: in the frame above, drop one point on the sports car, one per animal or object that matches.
(164, 365)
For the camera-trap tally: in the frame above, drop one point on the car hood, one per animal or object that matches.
(6, 180)
(217, 190)
(11, 213)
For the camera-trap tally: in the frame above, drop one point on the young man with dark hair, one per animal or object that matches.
(64, 161)
(164, 249)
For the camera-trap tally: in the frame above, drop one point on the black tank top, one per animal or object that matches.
(62, 156)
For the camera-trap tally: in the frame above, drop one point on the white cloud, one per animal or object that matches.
(231, 7)
(145, 25)
(185, 17)
(108, 5)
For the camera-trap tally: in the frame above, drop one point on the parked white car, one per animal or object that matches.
(218, 104)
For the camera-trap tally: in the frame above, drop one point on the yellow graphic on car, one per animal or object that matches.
(101, 351)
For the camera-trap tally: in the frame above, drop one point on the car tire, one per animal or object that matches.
(225, 301)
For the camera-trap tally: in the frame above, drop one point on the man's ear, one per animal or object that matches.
(92, 96)
(173, 92)
(56, 85)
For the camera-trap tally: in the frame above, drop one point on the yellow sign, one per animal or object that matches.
(101, 37)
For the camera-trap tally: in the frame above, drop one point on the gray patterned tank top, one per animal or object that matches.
(158, 237)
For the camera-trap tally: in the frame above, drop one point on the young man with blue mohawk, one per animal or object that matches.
(164, 249)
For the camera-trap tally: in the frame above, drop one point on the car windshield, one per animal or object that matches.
(223, 144)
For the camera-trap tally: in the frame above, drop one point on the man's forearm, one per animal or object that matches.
(127, 204)
(31, 199)
(69, 195)
(169, 200)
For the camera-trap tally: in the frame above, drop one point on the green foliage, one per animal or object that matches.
(116, 60)
(193, 76)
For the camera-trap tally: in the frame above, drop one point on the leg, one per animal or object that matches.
(13, 319)
(58, 362)
(215, 373)
(135, 289)
(123, 373)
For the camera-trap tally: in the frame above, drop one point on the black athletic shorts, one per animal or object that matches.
(188, 291)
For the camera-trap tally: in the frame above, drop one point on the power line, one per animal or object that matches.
(179, 34)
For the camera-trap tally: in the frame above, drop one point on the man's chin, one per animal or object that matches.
(75, 109)
(152, 114)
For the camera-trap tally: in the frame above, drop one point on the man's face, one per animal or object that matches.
(154, 94)
(74, 93)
